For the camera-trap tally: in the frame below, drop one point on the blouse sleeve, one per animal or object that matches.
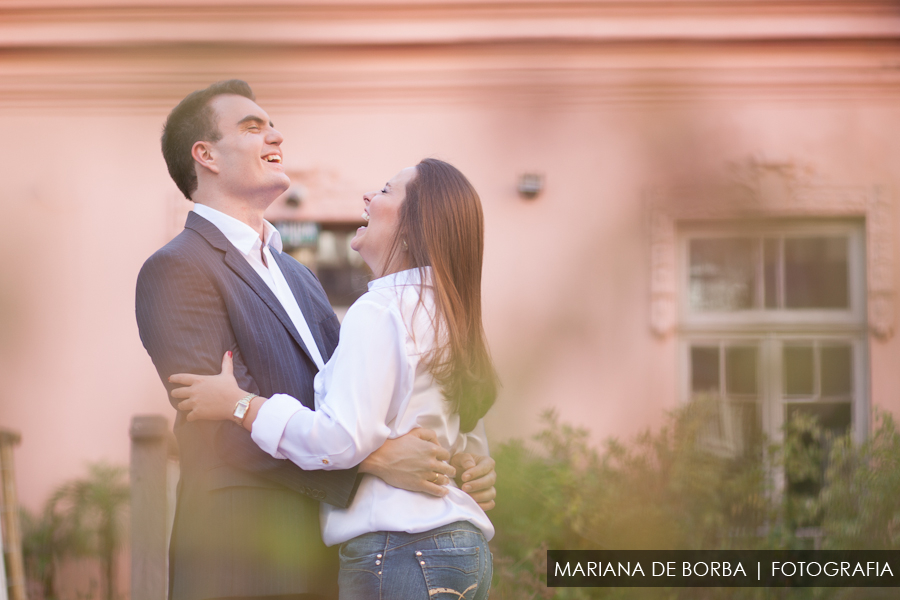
(369, 370)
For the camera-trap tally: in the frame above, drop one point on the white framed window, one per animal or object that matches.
(772, 323)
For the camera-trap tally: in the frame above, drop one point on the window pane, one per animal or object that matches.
(770, 270)
(798, 371)
(816, 272)
(740, 370)
(834, 417)
(748, 425)
(705, 370)
(722, 274)
(837, 371)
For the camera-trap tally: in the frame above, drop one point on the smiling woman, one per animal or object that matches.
(411, 352)
(375, 240)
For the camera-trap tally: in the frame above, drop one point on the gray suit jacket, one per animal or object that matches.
(246, 524)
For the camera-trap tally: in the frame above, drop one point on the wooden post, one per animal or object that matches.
(149, 459)
(3, 586)
(9, 513)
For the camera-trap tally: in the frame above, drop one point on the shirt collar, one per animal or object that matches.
(407, 277)
(241, 235)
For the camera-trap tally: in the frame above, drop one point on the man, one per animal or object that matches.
(246, 524)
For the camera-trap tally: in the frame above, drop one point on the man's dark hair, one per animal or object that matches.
(194, 120)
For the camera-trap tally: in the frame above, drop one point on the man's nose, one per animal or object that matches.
(367, 197)
(275, 138)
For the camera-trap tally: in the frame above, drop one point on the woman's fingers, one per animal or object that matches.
(182, 392)
(227, 364)
(183, 378)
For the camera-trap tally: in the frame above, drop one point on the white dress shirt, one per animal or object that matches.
(247, 240)
(375, 387)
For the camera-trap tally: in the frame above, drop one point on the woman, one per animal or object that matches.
(411, 354)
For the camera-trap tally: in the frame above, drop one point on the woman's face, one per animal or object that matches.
(382, 211)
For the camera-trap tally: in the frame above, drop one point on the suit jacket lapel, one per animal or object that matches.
(304, 300)
(238, 263)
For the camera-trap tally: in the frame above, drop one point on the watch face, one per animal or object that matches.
(241, 409)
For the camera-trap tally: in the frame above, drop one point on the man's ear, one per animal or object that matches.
(203, 154)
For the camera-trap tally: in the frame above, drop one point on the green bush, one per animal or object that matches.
(82, 518)
(669, 490)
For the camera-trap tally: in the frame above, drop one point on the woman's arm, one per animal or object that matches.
(370, 369)
(368, 373)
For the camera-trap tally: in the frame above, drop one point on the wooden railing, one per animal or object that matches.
(11, 547)
(153, 474)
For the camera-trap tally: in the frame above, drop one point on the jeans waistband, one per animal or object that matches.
(394, 539)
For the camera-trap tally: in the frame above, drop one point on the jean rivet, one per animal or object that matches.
(377, 562)
(377, 556)
(422, 563)
(418, 554)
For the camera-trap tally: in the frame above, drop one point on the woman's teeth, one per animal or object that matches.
(365, 217)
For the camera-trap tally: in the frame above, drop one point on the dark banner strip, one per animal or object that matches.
(723, 568)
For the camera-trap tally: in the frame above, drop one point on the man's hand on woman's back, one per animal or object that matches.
(477, 477)
(414, 462)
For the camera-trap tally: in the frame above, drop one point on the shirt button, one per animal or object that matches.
(324, 461)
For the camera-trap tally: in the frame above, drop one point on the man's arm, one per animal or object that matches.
(184, 325)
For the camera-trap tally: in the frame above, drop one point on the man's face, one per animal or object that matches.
(248, 154)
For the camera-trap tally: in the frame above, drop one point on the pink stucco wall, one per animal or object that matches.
(604, 102)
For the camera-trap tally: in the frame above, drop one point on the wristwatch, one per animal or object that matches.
(241, 408)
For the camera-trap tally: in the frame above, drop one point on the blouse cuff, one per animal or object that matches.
(272, 418)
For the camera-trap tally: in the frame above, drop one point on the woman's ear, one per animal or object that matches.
(202, 153)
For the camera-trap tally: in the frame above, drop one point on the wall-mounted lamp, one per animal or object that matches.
(295, 196)
(530, 185)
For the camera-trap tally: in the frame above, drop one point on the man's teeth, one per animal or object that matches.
(273, 158)
(365, 217)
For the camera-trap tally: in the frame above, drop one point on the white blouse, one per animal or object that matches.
(375, 388)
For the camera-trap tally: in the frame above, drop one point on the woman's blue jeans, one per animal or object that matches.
(450, 562)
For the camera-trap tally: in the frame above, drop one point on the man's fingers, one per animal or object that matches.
(481, 483)
(186, 405)
(463, 461)
(484, 466)
(425, 434)
(484, 496)
(441, 454)
(434, 489)
(487, 505)
(443, 468)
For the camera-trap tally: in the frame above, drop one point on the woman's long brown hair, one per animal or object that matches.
(442, 225)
